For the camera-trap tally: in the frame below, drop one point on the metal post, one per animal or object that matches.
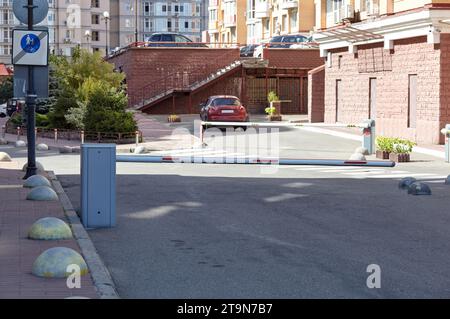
(82, 137)
(137, 137)
(368, 138)
(56, 134)
(446, 132)
(18, 133)
(31, 107)
(136, 21)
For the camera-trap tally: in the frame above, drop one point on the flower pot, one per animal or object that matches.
(399, 157)
(173, 118)
(277, 106)
(382, 154)
(274, 117)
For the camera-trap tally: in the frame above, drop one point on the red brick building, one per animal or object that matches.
(164, 80)
(394, 69)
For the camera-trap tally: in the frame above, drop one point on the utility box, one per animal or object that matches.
(98, 185)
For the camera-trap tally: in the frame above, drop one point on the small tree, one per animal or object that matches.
(106, 110)
(6, 90)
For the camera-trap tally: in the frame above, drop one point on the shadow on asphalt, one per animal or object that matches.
(219, 237)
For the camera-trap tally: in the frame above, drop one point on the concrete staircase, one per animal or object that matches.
(190, 87)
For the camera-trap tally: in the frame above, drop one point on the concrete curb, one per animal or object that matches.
(100, 274)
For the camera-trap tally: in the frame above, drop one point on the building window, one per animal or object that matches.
(95, 36)
(176, 8)
(169, 8)
(412, 101)
(181, 8)
(95, 19)
(95, 3)
(169, 25)
(164, 8)
(186, 25)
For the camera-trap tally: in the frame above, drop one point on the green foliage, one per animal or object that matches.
(270, 110)
(42, 120)
(106, 111)
(16, 119)
(272, 97)
(6, 90)
(89, 94)
(394, 145)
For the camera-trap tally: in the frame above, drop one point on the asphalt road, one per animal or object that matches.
(235, 231)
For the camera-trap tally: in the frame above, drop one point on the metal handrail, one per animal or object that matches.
(181, 80)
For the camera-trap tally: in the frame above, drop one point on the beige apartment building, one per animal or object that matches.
(227, 21)
(253, 21)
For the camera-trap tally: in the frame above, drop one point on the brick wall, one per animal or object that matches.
(392, 70)
(316, 94)
(445, 82)
(293, 58)
(144, 66)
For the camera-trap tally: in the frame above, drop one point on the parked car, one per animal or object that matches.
(13, 105)
(3, 110)
(223, 108)
(248, 50)
(170, 39)
(281, 41)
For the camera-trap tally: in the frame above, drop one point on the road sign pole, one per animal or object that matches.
(31, 108)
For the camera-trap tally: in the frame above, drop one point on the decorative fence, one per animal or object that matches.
(78, 135)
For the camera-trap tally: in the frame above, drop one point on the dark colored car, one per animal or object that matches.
(169, 39)
(14, 104)
(223, 108)
(248, 50)
(281, 41)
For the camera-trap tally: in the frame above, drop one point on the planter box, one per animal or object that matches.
(173, 119)
(382, 154)
(274, 117)
(399, 158)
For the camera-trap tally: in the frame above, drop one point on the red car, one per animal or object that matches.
(223, 108)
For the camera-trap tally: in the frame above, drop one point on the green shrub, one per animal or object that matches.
(42, 120)
(394, 145)
(106, 111)
(272, 97)
(270, 110)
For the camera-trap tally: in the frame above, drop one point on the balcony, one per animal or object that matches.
(289, 4)
(262, 10)
(213, 3)
(213, 26)
(229, 21)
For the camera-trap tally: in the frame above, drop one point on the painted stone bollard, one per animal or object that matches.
(35, 181)
(20, 143)
(406, 182)
(362, 150)
(42, 193)
(419, 189)
(49, 228)
(65, 149)
(53, 263)
(42, 147)
(4, 157)
(39, 167)
(139, 150)
(357, 157)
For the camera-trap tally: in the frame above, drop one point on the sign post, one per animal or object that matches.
(30, 48)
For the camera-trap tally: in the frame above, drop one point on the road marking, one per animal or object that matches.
(356, 173)
(402, 175)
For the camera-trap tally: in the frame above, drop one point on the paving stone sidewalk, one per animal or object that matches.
(17, 253)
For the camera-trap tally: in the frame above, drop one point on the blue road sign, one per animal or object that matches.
(30, 43)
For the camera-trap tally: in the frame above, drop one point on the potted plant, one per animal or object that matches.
(273, 111)
(384, 147)
(173, 118)
(401, 150)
